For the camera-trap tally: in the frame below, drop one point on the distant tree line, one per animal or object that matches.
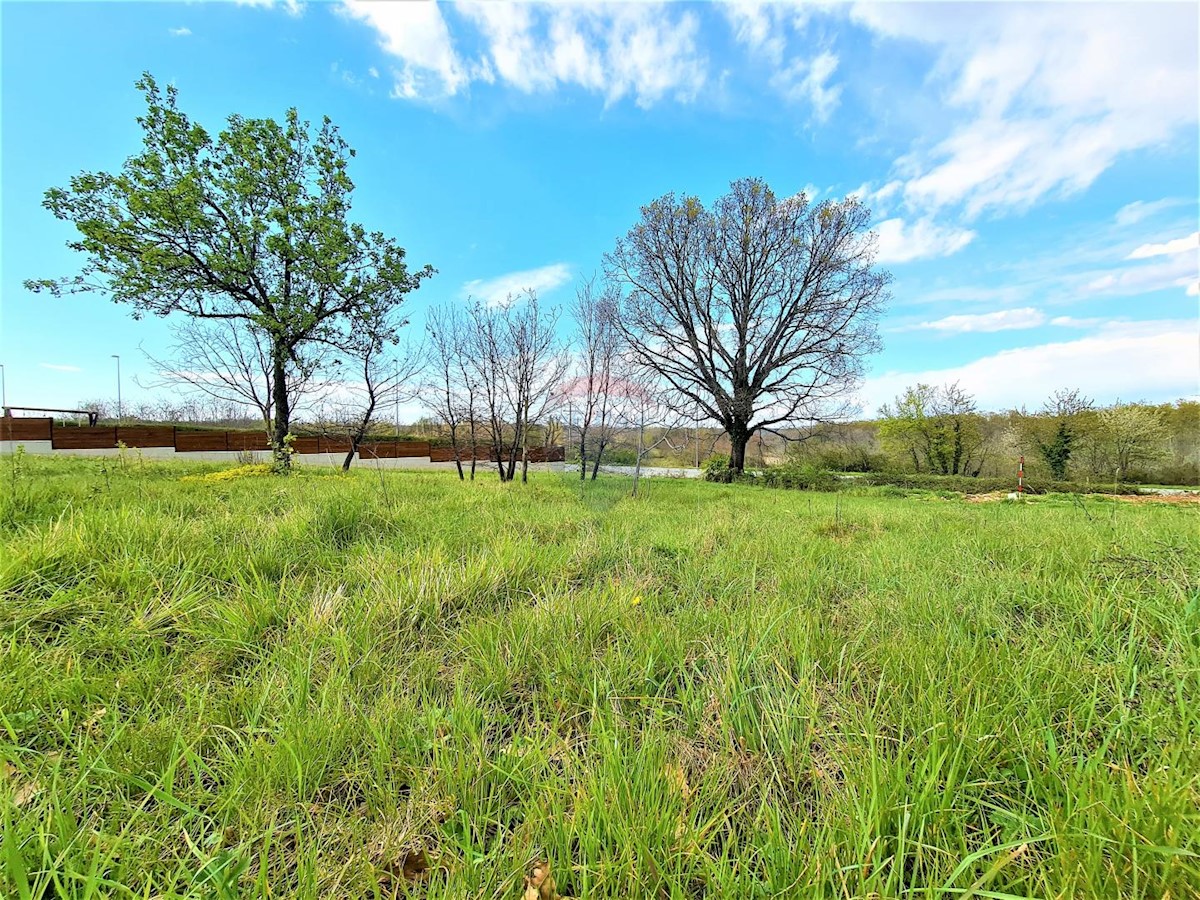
(939, 429)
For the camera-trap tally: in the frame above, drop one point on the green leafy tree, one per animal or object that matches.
(1062, 413)
(1135, 433)
(937, 428)
(252, 225)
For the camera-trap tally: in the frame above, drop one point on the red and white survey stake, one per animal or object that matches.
(1021, 476)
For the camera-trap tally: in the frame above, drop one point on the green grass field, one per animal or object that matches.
(375, 685)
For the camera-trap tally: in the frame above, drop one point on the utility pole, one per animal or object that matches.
(117, 357)
(3, 390)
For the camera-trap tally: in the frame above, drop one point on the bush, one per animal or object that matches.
(810, 478)
(1174, 474)
(842, 459)
(800, 478)
(717, 469)
(966, 485)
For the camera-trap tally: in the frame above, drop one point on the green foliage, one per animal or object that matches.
(251, 226)
(966, 485)
(798, 477)
(283, 687)
(1057, 451)
(937, 428)
(717, 470)
(1136, 433)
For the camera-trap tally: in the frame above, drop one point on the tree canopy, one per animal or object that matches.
(758, 311)
(252, 225)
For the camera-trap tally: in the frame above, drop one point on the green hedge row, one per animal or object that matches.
(966, 485)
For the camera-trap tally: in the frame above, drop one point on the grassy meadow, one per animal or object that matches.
(396, 684)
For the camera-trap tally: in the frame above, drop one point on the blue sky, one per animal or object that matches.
(1033, 170)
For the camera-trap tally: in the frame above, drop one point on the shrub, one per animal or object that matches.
(966, 485)
(717, 469)
(800, 478)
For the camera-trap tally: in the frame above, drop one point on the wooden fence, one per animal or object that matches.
(199, 441)
(12, 429)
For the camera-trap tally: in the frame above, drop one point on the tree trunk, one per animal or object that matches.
(637, 467)
(739, 437)
(454, 446)
(360, 430)
(283, 412)
(596, 463)
(474, 441)
(518, 437)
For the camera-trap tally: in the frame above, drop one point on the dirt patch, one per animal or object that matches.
(1188, 498)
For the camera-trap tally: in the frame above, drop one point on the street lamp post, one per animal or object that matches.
(3, 391)
(117, 357)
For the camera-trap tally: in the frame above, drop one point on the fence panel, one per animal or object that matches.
(200, 441)
(14, 429)
(394, 450)
(248, 440)
(146, 435)
(307, 445)
(85, 438)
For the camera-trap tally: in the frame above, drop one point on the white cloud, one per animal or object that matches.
(763, 29)
(1170, 248)
(179, 32)
(293, 7)
(1053, 94)
(646, 52)
(1072, 322)
(1154, 360)
(59, 367)
(1132, 213)
(497, 290)
(1001, 320)
(808, 81)
(901, 242)
(1175, 270)
(417, 35)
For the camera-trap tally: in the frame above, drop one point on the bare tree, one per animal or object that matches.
(229, 361)
(535, 371)
(487, 357)
(517, 365)
(450, 386)
(595, 314)
(758, 310)
(642, 403)
(387, 372)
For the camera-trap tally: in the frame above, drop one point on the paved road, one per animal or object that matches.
(653, 471)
